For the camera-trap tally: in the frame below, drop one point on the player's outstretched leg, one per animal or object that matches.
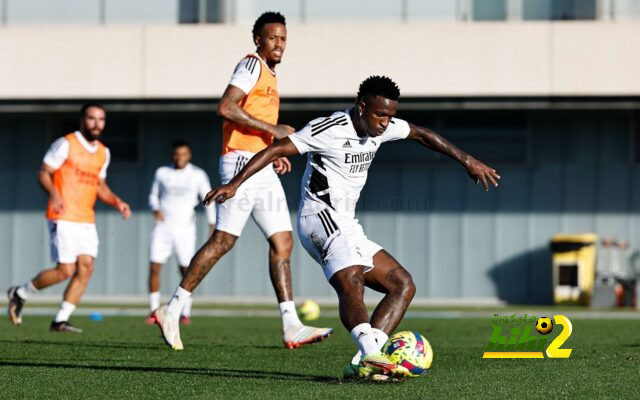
(295, 334)
(390, 278)
(349, 285)
(18, 295)
(168, 316)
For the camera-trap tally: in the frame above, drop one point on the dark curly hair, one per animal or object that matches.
(86, 106)
(378, 86)
(179, 143)
(268, 17)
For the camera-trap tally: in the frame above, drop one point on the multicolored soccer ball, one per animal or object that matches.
(411, 350)
(544, 325)
(309, 310)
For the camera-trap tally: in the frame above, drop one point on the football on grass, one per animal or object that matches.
(410, 350)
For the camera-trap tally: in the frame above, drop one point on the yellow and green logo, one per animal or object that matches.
(519, 342)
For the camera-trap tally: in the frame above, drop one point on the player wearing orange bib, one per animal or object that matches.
(250, 106)
(73, 173)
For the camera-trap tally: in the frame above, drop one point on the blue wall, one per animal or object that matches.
(562, 172)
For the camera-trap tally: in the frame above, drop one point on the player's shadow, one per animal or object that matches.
(120, 345)
(212, 372)
(110, 345)
(268, 347)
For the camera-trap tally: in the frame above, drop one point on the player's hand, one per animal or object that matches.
(158, 216)
(124, 209)
(282, 131)
(480, 172)
(57, 203)
(282, 166)
(219, 194)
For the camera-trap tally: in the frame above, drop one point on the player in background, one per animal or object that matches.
(73, 174)
(340, 150)
(250, 106)
(176, 190)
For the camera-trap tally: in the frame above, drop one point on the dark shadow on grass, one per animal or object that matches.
(125, 345)
(212, 372)
(110, 345)
(631, 345)
(269, 347)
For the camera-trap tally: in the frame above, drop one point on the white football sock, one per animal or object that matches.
(26, 290)
(154, 300)
(186, 311)
(64, 312)
(289, 315)
(364, 338)
(381, 339)
(177, 302)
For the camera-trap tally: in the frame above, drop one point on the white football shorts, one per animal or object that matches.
(68, 240)
(166, 238)
(261, 196)
(336, 243)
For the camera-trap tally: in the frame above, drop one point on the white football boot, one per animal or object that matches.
(169, 327)
(296, 336)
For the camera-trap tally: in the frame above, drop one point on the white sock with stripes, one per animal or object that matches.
(289, 315)
(177, 302)
(381, 339)
(363, 336)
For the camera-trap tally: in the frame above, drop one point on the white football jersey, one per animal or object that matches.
(175, 192)
(338, 161)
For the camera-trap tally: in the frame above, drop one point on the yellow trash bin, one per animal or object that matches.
(574, 267)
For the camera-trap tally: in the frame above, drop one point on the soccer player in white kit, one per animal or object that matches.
(250, 107)
(177, 188)
(340, 150)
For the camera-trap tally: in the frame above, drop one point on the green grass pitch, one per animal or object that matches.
(243, 358)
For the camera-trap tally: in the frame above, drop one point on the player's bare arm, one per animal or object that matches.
(45, 178)
(282, 148)
(229, 108)
(106, 195)
(477, 170)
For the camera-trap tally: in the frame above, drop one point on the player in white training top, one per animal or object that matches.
(340, 149)
(177, 188)
(249, 107)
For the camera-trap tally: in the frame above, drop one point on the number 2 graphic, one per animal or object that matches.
(554, 350)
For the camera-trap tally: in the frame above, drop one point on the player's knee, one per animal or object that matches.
(283, 246)
(85, 269)
(221, 245)
(404, 284)
(408, 288)
(65, 271)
